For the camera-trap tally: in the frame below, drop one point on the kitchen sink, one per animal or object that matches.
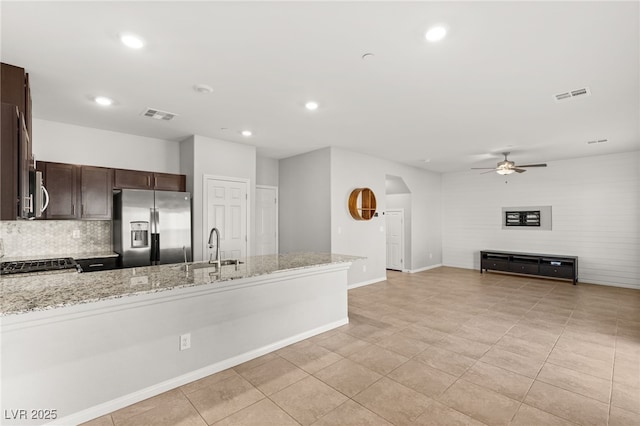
(207, 265)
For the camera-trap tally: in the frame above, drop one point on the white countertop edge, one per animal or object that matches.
(34, 318)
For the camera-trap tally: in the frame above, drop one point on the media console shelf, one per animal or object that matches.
(546, 265)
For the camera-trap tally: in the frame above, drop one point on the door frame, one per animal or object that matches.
(402, 237)
(205, 210)
(277, 203)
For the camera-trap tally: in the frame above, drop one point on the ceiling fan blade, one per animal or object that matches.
(483, 168)
(532, 165)
(490, 171)
(515, 169)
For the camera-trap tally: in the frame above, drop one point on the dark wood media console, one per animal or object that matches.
(545, 265)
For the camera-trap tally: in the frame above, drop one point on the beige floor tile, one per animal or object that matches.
(100, 421)
(438, 414)
(348, 376)
(179, 411)
(351, 414)
(422, 378)
(209, 380)
(626, 371)
(311, 358)
(573, 361)
(262, 413)
(571, 380)
(343, 344)
(403, 345)
(478, 334)
(396, 403)
(422, 333)
(590, 350)
(534, 334)
(531, 416)
(626, 397)
(146, 405)
(445, 360)
(224, 398)
(369, 333)
(274, 375)
(567, 405)
(308, 400)
(620, 417)
(463, 346)
(378, 359)
(255, 362)
(480, 403)
(503, 381)
(524, 347)
(513, 362)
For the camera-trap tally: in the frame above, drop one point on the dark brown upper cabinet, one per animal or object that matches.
(135, 179)
(96, 192)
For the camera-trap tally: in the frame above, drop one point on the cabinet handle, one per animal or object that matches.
(95, 265)
(73, 210)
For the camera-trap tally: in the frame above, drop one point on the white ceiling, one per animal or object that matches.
(486, 88)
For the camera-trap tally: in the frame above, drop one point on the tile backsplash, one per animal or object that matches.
(55, 237)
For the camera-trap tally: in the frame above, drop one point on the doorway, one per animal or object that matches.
(395, 239)
(225, 207)
(266, 220)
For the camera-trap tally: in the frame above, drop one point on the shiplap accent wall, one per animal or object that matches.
(595, 206)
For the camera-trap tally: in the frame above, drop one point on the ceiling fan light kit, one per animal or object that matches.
(507, 167)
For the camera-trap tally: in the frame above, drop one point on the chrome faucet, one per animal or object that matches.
(216, 260)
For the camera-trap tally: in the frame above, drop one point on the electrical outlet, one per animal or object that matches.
(185, 341)
(364, 268)
(75, 234)
(430, 255)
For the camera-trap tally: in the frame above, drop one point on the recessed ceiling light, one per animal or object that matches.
(246, 133)
(103, 100)
(311, 105)
(203, 88)
(436, 33)
(132, 41)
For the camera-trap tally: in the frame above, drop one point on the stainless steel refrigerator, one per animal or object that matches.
(151, 227)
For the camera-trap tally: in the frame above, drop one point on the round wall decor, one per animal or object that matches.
(362, 204)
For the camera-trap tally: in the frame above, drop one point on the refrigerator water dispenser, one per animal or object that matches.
(139, 234)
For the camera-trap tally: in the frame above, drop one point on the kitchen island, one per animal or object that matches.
(87, 344)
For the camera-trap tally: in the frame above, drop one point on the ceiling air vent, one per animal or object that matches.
(158, 115)
(597, 141)
(584, 91)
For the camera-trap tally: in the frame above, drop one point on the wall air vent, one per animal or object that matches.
(158, 115)
(584, 91)
(597, 141)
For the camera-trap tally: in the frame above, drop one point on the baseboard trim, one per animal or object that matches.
(426, 268)
(126, 400)
(363, 283)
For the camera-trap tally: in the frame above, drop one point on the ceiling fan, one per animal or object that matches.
(507, 167)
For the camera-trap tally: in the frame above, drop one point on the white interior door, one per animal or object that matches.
(226, 209)
(395, 239)
(266, 220)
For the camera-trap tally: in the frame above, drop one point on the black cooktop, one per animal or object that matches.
(41, 265)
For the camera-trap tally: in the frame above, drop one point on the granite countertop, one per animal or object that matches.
(21, 294)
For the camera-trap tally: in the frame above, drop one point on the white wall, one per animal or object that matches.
(68, 143)
(351, 170)
(304, 210)
(595, 215)
(267, 171)
(206, 156)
